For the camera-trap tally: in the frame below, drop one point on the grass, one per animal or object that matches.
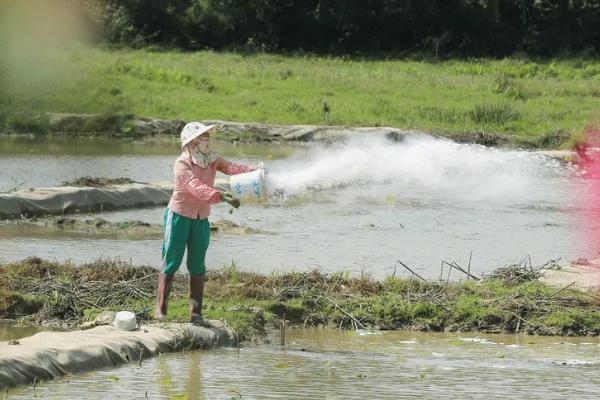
(239, 314)
(43, 291)
(518, 98)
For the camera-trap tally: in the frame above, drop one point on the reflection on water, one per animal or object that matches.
(10, 330)
(329, 364)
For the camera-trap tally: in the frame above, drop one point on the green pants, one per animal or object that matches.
(179, 232)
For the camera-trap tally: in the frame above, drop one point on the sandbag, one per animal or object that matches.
(70, 199)
(49, 355)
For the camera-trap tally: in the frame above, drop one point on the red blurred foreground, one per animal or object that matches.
(588, 200)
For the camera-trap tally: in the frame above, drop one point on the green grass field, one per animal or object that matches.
(535, 102)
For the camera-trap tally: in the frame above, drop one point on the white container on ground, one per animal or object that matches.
(125, 320)
(250, 186)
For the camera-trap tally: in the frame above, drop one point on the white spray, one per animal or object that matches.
(419, 165)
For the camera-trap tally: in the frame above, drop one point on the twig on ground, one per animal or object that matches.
(346, 312)
(558, 291)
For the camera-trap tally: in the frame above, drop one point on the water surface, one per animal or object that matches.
(330, 364)
(11, 330)
(356, 206)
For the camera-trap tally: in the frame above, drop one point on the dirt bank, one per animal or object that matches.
(98, 182)
(582, 273)
(131, 126)
(99, 226)
(511, 300)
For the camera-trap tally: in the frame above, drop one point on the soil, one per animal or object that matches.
(102, 226)
(97, 182)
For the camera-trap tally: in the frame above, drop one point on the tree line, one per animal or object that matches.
(439, 27)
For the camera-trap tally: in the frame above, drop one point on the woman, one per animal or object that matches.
(186, 217)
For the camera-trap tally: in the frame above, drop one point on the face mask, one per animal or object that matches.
(203, 159)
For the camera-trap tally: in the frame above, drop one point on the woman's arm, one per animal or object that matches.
(201, 191)
(229, 168)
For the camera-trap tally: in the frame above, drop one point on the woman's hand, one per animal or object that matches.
(228, 197)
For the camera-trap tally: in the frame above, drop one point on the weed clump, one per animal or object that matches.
(515, 274)
(36, 123)
(105, 123)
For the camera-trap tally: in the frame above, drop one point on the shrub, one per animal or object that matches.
(28, 123)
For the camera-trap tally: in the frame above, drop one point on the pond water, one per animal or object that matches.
(331, 364)
(27, 162)
(9, 330)
(355, 206)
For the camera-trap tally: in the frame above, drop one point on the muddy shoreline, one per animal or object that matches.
(137, 127)
(98, 226)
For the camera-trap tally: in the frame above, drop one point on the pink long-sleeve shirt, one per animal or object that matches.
(193, 192)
